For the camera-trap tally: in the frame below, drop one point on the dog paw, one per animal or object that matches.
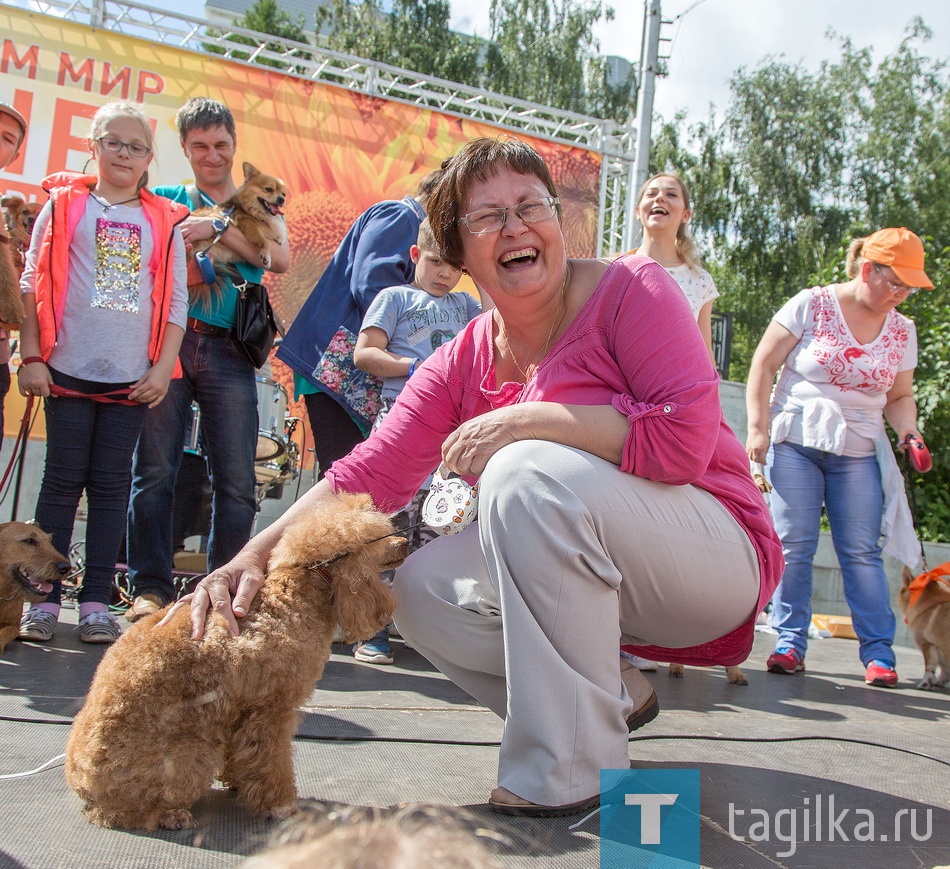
(177, 819)
(265, 259)
(677, 671)
(929, 682)
(736, 676)
(279, 813)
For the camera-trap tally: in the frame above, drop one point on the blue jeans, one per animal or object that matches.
(89, 446)
(850, 488)
(221, 379)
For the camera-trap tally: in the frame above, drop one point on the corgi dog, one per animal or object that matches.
(255, 209)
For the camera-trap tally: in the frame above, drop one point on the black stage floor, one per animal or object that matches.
(379, 736)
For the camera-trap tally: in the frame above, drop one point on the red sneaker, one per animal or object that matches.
(882, 674)
(786, 660)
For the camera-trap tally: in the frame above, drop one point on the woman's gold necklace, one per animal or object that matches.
(547, 344)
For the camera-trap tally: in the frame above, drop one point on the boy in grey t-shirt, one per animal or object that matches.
(405, 325)
(402, 328)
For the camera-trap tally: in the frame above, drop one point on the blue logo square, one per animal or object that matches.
(649, 819)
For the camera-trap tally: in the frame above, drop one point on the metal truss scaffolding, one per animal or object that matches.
(614, 142)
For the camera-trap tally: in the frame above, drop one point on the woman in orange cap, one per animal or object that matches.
(847, 357)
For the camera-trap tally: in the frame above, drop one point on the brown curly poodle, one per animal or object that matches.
(166, 714)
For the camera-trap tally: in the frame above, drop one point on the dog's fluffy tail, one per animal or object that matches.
(362, 605)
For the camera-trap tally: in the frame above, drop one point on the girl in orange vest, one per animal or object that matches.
(105, 298)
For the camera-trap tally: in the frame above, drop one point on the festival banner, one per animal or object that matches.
(339, 151)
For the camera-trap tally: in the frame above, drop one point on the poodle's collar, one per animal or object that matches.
(321, 566)
(322, 570)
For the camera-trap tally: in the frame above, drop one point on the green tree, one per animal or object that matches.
(266, 16)
(415, 35)
(544, 51)
(422, 41)
(354, 28)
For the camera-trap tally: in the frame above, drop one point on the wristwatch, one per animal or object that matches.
(220, 224)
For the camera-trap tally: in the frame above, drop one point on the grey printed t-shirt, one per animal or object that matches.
(417, 324)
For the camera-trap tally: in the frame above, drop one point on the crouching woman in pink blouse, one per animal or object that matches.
(848, 359)
(616, 505)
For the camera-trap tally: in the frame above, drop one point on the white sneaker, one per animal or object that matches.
(99, 628)
(37, 625)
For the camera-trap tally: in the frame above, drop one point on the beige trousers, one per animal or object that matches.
(526, 608)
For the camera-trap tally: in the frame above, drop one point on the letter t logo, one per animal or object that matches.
(650, 814)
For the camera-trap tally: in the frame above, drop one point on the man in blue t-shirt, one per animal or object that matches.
(215, 373)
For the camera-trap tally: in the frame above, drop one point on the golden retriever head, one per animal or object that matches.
(28, 562)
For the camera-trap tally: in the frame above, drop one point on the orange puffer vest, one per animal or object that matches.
(68, 192)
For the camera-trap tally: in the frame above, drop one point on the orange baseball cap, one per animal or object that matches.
(902, 251)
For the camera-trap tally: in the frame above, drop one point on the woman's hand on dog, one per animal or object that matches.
(241, 578)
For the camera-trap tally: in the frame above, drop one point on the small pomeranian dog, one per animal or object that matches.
(255, 209)
(20, 218)
(925, 602)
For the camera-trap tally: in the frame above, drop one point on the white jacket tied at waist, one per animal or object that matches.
(824, 428)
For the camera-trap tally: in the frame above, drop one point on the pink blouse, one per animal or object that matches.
(634, 345)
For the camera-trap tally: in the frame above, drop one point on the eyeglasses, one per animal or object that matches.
(492, 219)
(895, 287)
(115, 146)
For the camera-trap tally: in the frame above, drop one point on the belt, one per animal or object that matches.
(203, 328)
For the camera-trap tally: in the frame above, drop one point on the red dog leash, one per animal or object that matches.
(117, 396)
(20, 438)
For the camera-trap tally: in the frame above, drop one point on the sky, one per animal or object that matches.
(712, 38)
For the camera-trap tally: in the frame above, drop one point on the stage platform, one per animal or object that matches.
(380, 736)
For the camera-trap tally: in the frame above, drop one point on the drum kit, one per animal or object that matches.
(277, 456)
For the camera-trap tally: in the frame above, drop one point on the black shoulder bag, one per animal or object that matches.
(255, 324)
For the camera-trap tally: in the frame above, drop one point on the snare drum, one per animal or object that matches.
(272, 411)
(281, 469)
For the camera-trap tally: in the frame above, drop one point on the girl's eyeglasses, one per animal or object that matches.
(115, 146)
